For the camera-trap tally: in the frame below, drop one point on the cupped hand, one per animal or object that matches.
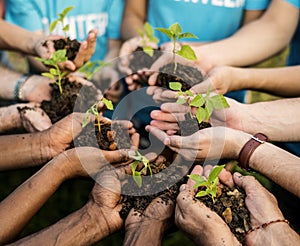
(33, 118)
(199, 222)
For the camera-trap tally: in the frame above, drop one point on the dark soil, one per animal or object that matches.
(62, 104)
(190, 125)
(142, 60)
(230, 206)
(188, 76)
(72, 47)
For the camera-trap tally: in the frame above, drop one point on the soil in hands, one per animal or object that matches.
(188, 76)
(72, 47)
(190, 125)
(62, 104)
(141, 60)
(230, 206)
(140, 201)
(110, 137)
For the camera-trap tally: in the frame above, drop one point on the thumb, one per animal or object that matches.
(248, 183)
(202, 87)
(117, 156)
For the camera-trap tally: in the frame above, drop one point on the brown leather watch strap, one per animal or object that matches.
(249, 148)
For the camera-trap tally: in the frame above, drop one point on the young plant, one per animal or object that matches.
(55, 73)
(94, 111)
(205, 104)
(90, 68)
(147, 35)
(210, 185)
(137, 175)
(61, 18)
(174, 32)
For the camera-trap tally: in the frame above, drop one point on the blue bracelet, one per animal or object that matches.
(17, 91)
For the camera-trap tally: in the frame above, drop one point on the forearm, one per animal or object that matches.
(256, 41)
(83, 227)
(15, 38)
(134, 18)
(278, 81)
(24, 150)
(279, 119)
(19, 207)
(278, 165)
(10, 118)
(113, 50)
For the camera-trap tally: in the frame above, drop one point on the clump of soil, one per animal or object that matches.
(142, 60)
(110, 137)
(62, 104)
(190, 125)
(188, 76)
(230, 206)
(72, 47)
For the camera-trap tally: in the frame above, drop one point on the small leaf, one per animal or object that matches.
(176, 29)
(108, 103)
(196, 178)
(189, 93)
(148, 29)
(187, 52)
(187, 35)
(197, 101)
(166, 32)
(137, 178)
(201, 193)
(53, 71)
(141, 33)
(219, 102)
(209, 107)
(66, 28)
(215, 172)
(181, 101)
(148, 50)
(85, 119)
(66, 11)
(153, 39)
(53, 24)
(175, 86)
(49, 75)
(200, 114)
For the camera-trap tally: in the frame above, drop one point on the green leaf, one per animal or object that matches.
(196, 178)
(187, 35)
(66, 28)
(187, 52)
(66, 11)
(148, 50)
(200, 114)
(137, 178)
(215, 173)
(141, 33)
(166, 32)
(209, 107)
(175, 29)
(85, 119)
(175, 86)
(153, 39)
(108, 103)
(53, 24)
(49, 75)
(197, 101)
(148, 29)
(201, 193)
(189, 93)
(219, 102)
(53, 71)
(181, 100)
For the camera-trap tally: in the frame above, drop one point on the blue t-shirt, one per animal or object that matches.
(210, 20)
(294, 56)
(104, 15)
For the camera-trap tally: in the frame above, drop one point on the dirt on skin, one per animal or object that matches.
(188, 76)
(141, 60)
(230, 206)
(72, 47)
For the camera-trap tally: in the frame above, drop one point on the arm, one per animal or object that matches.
(134, 17)
(255, 41)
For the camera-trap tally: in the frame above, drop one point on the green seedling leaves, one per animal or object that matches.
(148, 50)
(187, 52)
(90, 68)
(166, 32)
(107, 103)
(147, 34)
(175, 86)
(53, 24)
(61, 17)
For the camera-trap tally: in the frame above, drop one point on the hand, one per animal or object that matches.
(203, 225)
(44, 47)
(226, 142)
(160, 94)
(148, 227)
(33, 118)
(220, 80)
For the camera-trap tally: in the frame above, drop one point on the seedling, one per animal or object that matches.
(55, 73)
(174, 32)
(61, 19)
(210, 184)
(94, 111)
(137, 175)
(205, 104)
(147, 35)
(90, 68)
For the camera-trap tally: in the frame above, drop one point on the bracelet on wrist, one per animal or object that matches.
(264, 225)
(18, 95)
(249, 148)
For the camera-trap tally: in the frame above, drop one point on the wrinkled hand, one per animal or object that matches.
(33, 118)
(200, 223)
(206, 144)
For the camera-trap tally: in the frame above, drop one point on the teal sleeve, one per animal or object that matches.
(115, 18)
(257, 4)
(295, 3)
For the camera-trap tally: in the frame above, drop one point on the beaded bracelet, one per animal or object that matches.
(17, 91)
(264, 225)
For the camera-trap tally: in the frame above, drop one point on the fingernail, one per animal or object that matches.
(183, 187)
(238, 175)
(131, 153)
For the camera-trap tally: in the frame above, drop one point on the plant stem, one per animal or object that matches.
(174, 55)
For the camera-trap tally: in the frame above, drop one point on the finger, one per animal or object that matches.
(135, 139)
(153, 78)
(226, 178)
(167, 116)
(202, 87)
(196, 170)
(207, 169)
(174, 108)
(248, 183)
(116, 156)
(151, 90)
(159, 134)
(165, 126)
